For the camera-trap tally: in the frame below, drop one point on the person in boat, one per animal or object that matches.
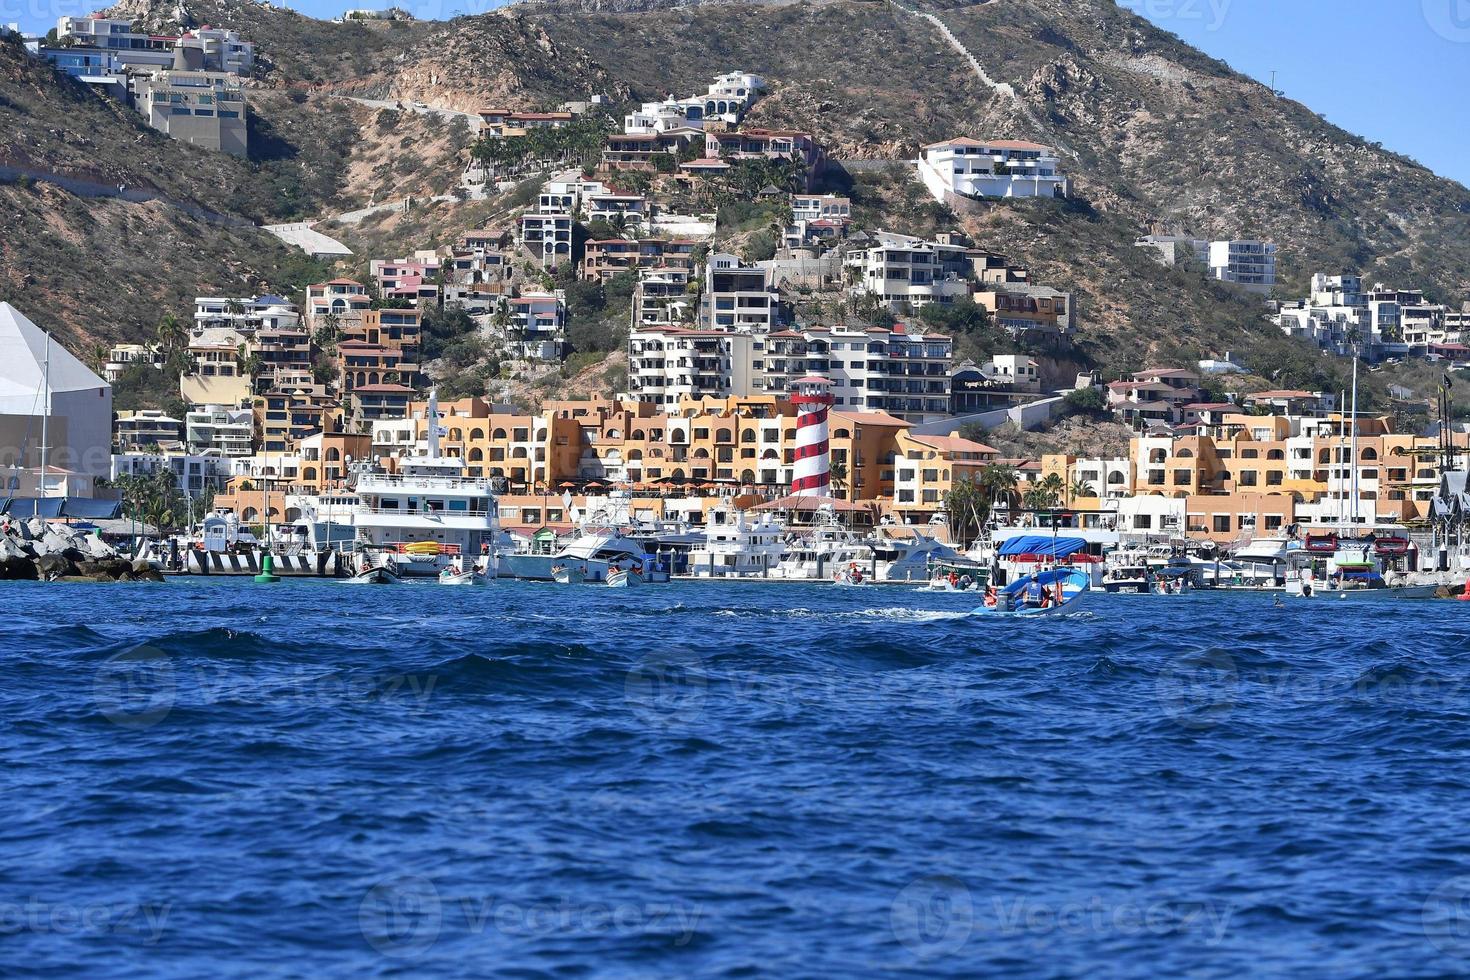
(992, 598)
(954, 579)
(1034, 593)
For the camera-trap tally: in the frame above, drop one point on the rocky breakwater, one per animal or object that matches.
(39, 550)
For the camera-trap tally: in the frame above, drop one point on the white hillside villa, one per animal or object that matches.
(996, 168)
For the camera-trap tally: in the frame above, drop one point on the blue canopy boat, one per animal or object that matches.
(1047, 593)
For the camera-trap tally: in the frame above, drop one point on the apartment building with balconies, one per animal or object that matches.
(547, 237)
(738, 297)
(971, 168)
(605, 258)
(341, 302)
(1249, 264)
(220, 429)
(203, 108)
(905, 273)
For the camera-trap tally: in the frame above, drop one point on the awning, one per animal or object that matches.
(1043, 546)
(51, 508)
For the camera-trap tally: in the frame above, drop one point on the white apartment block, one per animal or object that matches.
(662, 298)
(667, 363)
(724, 102)
(133, 431)
(1246, 263)
(906, 272)
(123, 356)
(341, 300)
(594, 200)
(206, 49)
(738, 296)
(535, 328)
(220, 430)
(1335, 316)
(246, 314)
(548, 237)
(904, 372)
(973, 168)
(203, 108)
(193, 473)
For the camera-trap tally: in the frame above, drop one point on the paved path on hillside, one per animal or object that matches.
(999, 88)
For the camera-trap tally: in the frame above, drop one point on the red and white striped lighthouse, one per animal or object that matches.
(811, 472)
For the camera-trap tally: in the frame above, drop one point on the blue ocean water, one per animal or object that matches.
(318, 779)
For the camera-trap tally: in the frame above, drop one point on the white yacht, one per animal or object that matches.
(594, 552)
(736, 548)
(907, 559)
(819, 552)
(426, 512)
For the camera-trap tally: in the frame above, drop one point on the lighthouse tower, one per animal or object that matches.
(811, 475)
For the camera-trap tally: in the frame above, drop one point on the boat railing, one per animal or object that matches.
(431, 512)
(429, 484)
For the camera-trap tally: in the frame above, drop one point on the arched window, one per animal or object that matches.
(613, 433)
(456, 435)
(701, 453)
(498, 434)
(251, 515)
(1115, 477)
(334, 455)
(293, 513)
(635, 454)
(1275, 454)
(747, 476)
(477, 434)
(1184, 454)
(636, 435)
(1157, 455)
(1369, 453)
(308, 473)
(1324, 456)
(477, 455)
(747, 435)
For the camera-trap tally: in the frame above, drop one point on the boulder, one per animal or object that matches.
(115, 567)
(18, 569)
(34, 528)
(54, 566)
(95, 548)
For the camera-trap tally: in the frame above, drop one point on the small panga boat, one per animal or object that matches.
(623, 578)
(1048, 593)
(569, 574)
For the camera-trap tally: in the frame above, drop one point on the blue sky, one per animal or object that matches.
(1395, 71)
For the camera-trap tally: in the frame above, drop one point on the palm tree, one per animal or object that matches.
(171, 335)
(999, 485)
(838, 472)
(1079, 488)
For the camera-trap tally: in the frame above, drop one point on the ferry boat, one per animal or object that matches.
(426, 513)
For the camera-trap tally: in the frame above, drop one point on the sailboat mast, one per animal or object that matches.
(1353, 451)
(45, 412)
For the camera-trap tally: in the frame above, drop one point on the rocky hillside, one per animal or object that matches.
(1157, 136)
